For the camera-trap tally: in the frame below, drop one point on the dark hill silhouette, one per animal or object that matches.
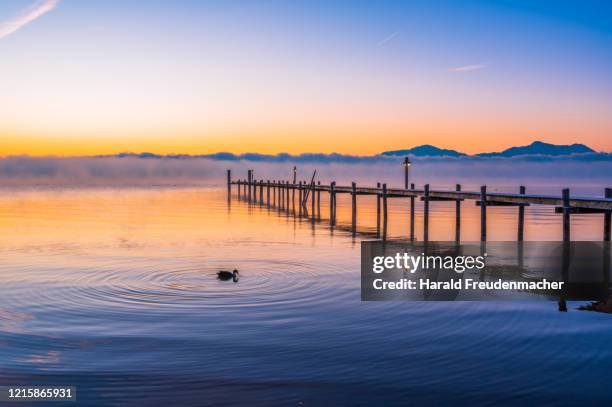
(541, 148)
(424, 150)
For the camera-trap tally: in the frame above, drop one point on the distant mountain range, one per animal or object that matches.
(535, 148)
(536, 151)
(423, 151)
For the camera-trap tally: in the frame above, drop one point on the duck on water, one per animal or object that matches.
(228, 275)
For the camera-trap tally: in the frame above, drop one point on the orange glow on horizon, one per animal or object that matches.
(360, 141)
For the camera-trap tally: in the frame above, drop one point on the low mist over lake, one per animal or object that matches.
(540, 171)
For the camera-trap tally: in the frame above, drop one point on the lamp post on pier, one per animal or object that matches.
(406, 170)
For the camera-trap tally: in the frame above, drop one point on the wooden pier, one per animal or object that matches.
(284, 198)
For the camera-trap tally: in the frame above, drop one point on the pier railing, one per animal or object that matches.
(295, 196)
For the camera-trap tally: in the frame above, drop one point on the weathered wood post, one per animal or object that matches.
(565, 195)
(319, 201)
(238, 189)
(384, 209)
(483, 213)
(412, 215)
(261, 189)
(279, 185)
(313, 200)
(273, 193)
(335, 204)
(458, 215)
(268, 193)
(293, 197)
(229, 184)
(249, 185)
(521, 216)
(426, 213)
(283, 192)
(300, 198)
(288, 196)
(332, 203)
(353, 208)
(378, 209)
(607, 217)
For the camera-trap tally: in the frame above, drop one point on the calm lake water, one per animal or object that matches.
(114, 291)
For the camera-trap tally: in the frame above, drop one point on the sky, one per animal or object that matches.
(195, 77)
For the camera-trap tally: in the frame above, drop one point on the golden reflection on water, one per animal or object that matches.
(165, 218)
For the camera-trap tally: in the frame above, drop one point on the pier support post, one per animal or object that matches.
(319, 201)
(238, 189)
(353, 208)
(426, 213)
(483, 213)
(287, 197)
(281, 196)
(268, 193)
(247, 189)
(565, 195)
(288, 188)
(293, 197)
(300, 198)
(378, 210)
(607, 217)
(412, 209)
(384, 208)
(332, 203)
(261, 189)
(521, 216)
(229, 184)
(274, 192)
(312, 200)
(458, 216)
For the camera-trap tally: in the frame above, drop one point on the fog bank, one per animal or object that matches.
(439, 171)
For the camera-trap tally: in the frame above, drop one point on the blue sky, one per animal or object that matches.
(353, 77)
